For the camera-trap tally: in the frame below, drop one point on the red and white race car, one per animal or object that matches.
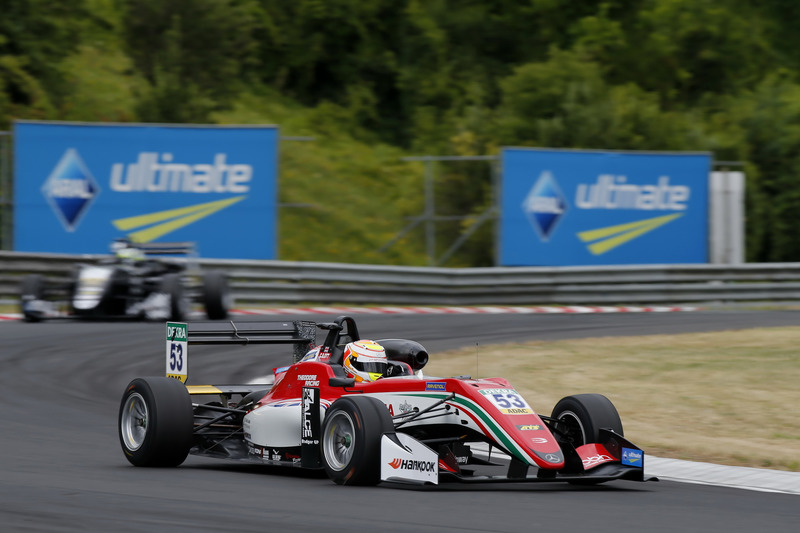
(402, 427)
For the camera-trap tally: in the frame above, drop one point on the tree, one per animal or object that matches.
(687, 49)
(35, 37)
(193, 53)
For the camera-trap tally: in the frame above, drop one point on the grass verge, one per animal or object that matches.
(725, 397)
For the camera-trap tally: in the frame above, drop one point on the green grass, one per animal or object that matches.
(727, 397)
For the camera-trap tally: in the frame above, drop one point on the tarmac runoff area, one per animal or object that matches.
(759, 479)
(740, 477)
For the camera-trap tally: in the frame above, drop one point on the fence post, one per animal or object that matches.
(6, 192)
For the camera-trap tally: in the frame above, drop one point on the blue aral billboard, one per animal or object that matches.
(568, 207)
(77, 187)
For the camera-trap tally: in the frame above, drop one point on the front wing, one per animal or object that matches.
(403, 458)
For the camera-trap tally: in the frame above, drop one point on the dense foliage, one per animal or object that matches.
(373, 80)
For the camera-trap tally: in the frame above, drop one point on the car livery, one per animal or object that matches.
(403, 427)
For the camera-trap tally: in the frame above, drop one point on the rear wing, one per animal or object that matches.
(299, 333)
(167, 248)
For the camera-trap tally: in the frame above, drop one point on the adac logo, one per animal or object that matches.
(70, 189)
(545, 205)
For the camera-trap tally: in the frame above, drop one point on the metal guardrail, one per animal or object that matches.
(282, 282)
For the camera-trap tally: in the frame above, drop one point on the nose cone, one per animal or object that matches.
(554, 459)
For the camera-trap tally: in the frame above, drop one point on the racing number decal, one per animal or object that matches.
(177, 342)
(507, 401)
(176, 357)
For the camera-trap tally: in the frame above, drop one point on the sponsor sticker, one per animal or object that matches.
(309, 380)
(177, 344)
(308, 435)
(440, 386)
(529, 427)
(412, 465)
(632, 457)
(325, 354)
(508, 401)
(404, 458)
(596, 460)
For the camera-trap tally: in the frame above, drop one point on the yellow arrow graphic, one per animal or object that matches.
(175, 219)
(614, 236)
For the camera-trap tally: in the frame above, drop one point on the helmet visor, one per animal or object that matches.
(371, 367)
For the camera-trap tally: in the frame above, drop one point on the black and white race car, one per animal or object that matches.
(137, 282)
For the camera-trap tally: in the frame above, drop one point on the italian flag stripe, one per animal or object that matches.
(482, 418)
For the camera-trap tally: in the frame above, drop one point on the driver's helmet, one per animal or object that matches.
(365, 360)
(125, 249)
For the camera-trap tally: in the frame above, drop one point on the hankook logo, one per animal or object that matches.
(410, 464)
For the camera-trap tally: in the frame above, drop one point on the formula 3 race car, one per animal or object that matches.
(402, 427)
(137, 282)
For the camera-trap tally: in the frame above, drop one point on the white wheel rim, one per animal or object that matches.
(338, 441)
(133, 423)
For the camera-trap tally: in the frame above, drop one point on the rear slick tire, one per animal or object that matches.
(31, 290)
(216, 295)
(155, 422)
(172, 285)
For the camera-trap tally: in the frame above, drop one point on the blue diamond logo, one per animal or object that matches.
(545, 205)
(70, 189)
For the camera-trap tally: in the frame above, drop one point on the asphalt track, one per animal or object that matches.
(62, 468)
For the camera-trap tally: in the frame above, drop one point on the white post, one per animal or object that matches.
(726, 217)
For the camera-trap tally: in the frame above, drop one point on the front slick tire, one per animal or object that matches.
(583, 415)
(155, 422)
(351, 440)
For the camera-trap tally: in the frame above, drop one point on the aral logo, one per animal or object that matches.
(70, 189)
(545, 205)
